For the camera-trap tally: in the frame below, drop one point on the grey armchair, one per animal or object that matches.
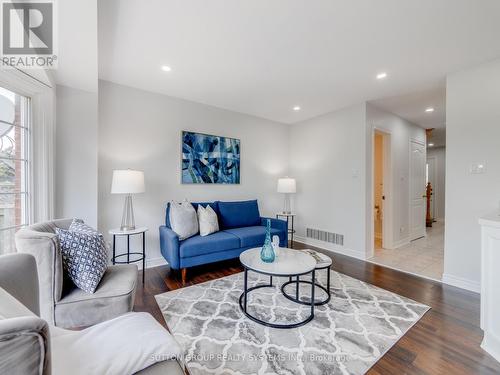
(61, 303)
(26, 341)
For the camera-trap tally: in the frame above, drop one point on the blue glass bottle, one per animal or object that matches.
(267, 252)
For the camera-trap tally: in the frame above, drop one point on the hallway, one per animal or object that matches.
(424, 257)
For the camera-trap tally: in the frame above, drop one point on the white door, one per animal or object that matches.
(417, 190)
(432, 178)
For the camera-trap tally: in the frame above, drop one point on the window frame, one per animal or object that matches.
(40, 151)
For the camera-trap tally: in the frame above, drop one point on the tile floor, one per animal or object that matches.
(423, 256)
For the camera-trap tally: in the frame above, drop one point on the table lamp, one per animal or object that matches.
(127, 181)
(287, 186)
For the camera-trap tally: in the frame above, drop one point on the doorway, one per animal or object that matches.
(381, 187)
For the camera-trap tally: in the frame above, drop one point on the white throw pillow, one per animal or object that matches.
(207, 219)
(183, 219)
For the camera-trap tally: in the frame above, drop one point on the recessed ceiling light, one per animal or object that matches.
(382, 75)
(166, 68)
(430, 144)
(296, 108)
(430, 109)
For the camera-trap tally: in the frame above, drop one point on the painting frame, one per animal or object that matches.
(197, 168)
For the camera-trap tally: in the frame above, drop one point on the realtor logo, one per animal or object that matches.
(28, 34)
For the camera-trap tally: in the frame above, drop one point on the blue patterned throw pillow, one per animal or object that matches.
(84, 256)
(77, 225)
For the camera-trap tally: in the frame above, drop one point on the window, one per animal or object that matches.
(14, 166)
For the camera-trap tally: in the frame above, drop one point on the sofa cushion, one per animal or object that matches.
(239, 214)
(207, 220)
(252, 236)
(212, 243)
(183, 219)
(214, 205)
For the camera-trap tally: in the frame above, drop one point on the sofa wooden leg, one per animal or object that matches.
(183, 275)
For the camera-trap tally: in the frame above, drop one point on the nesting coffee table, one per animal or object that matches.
(290, 263)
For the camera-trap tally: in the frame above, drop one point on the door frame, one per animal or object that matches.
(387, 235)
(434, 187)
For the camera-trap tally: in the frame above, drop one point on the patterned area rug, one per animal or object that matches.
(347, 336)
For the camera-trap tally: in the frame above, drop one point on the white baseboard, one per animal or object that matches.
(160, 261)
(331, 247)
(491, 344)
(462, 283)
(400, 243)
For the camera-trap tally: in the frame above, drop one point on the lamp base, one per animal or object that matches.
(286, 205)
(128, 221)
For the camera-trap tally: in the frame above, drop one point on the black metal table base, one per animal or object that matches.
(141, 258)
(297, 283)
(244, 301)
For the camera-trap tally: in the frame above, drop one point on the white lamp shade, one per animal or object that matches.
(127, 181)
(287, 185)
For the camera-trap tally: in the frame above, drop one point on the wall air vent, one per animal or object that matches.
(321, 235)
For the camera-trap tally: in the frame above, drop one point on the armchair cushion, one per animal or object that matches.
(124, 345)
(114, 295)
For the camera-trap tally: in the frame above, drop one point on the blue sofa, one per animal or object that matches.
(241, 228)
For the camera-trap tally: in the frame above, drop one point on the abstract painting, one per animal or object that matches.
(210, 159)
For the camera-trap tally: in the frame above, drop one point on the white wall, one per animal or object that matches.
(472, 136)
(398, 197)
(439, 153)
(142, 130)
(327, 157)
(76, 154)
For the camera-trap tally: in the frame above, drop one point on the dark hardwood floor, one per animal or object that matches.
(445, 341)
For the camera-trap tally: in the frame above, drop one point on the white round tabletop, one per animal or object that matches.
(289, 262)
(120, 232)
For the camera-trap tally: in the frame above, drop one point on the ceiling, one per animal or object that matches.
(263, 57)
(412, 107)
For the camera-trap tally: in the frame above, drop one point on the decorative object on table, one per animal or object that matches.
(289, 223)
(323, 262)
(127, 181)
(287, 186)
(210, 159)
(267, 252)
(348, 341)
(138, 256)
(207, 220)
(276, 245)
(84, 255)
(183, 219)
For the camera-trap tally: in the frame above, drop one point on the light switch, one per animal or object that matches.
(477, 168)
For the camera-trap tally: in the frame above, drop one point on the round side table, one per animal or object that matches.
(290, 263)
(142, 255)
(323, 262)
